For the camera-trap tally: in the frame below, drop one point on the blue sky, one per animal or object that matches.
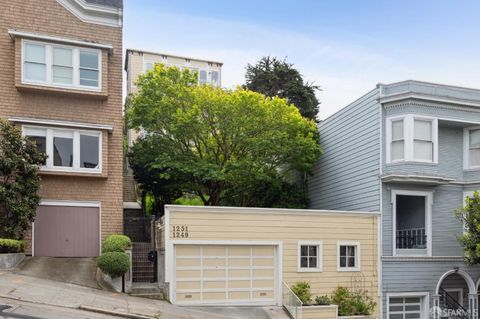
(345, 46)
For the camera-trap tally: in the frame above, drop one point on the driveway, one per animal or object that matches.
(245, 312)
(79, 271)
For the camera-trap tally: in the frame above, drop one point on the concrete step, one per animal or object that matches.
(156, 296)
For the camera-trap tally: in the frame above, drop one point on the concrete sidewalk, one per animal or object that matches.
(54, 293)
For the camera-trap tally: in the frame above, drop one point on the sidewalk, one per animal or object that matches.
(48, 292)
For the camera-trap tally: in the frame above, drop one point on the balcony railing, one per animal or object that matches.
(412, 238)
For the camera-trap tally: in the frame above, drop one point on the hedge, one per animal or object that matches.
(11, 246)
(114, 264)
(116, 243)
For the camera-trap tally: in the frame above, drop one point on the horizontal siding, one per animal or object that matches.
(289, 229)
(347, 175)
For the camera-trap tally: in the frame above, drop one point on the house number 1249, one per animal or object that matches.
(180, 231)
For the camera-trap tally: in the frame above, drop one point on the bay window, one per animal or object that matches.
(67, 150)
(61, 65)
(411, 138)
(472, 148)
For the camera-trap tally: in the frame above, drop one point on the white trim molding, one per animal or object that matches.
(94, 13)
(319, 245)
(357, 256)
(466, 149)
(428, 221)
(28, 120)
(409, 138)
(50, 38)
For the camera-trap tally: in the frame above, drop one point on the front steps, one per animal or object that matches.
(147, 290)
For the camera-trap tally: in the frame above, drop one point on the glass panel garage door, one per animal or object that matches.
(405, 308)
(225, 274)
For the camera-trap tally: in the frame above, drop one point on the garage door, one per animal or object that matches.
(63, 231)
(220, 274)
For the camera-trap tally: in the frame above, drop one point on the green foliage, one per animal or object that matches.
(11, 246)
(322, 300)
(469, 216)
(114, 264)
(190, 200)
(274, 77)
(353, 303)
(302, 290)
(19, 181)
(116, 243)
(221, 145)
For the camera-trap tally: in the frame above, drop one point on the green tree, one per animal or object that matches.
(469, 216)
(274, 77)
(222, 142)
(19, 181)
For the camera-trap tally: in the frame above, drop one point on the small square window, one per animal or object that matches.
(348, 257)
(309, 256)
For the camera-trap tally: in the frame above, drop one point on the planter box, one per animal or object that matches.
(319, 312)
(9, 261)
(116, 283)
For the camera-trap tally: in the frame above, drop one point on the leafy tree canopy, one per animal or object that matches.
(19, 181)
(226, 146)
(469, 216)
(274, 77)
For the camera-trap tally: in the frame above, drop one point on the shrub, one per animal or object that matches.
(302, 290)
(116, 243)
(11, 246)
(114, 264)
(353, 303)
(322, 300)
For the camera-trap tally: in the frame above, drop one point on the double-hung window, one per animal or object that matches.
(348, 256)
(412, 138)
(67, 150)
(309, 256)
(61, 66)
(472, 148)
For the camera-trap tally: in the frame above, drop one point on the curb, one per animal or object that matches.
(114, 313)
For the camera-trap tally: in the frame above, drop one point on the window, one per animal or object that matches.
(309, 256)
(67, 150)
(348, 255)
(148, 66)
(411, 138)
(215, 78)
(405, 307)
(60, 65)
(472, 148)
(202, 77)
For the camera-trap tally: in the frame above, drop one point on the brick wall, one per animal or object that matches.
(49, 17)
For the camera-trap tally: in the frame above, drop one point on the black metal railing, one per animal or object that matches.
(412, 238)
(448, 302)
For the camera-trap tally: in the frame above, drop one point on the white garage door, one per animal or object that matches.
(217, 274)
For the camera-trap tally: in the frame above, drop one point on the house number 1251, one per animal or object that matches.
(179, 231)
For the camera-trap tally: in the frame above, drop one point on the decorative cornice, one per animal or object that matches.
(414, 103)
(36, 121)
(94, 13)
(414, 178)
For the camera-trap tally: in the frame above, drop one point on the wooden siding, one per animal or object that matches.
(346, 176)
(290, 229)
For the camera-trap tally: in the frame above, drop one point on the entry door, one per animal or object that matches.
(63, 231)
(217, 274)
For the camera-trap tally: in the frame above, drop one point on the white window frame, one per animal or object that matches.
(357, 256)
(49, 66)
(424, 299)
(428, 222)
(466, 148)
(319, 245)
(50, 133)
(459, 291)
(408, 137)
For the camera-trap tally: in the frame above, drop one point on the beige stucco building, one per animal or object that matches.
(61, 83)
(247, 256)
(138, 62)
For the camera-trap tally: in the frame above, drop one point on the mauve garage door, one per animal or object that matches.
(63, 231)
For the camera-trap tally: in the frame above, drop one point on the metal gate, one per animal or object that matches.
(141, 231)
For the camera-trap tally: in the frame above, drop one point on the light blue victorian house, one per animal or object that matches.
(410, 150)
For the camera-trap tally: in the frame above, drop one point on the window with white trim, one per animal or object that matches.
(405, 307)
(309, 256)
(412, 138)
(348, 256)
(61, 65)
(67, 150)
(472, 148)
